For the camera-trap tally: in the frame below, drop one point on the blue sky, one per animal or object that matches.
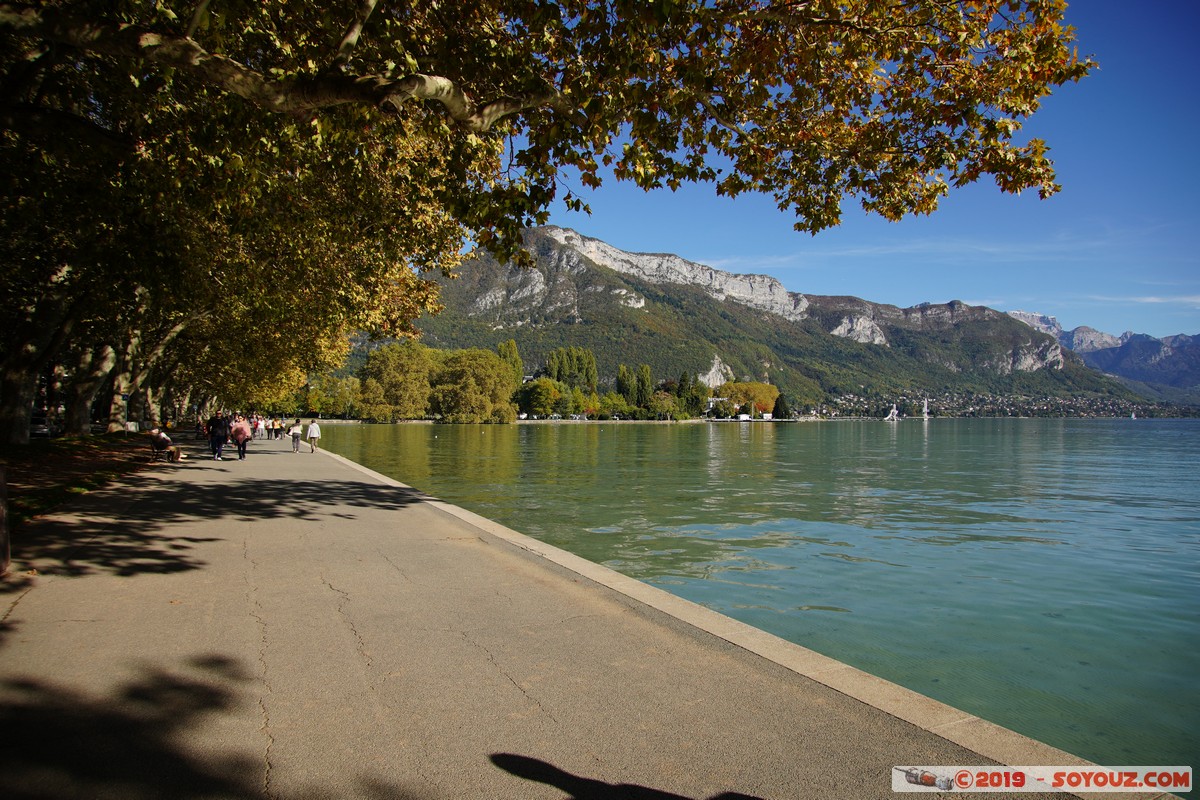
(1115, 250)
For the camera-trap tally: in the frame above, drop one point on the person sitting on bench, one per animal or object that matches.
(161, 445)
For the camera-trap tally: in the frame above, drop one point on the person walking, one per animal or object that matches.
(241, 433)
(314, 435)
(218, 434)
(296, 430)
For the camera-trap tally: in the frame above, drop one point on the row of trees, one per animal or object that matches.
(407, 380)
(202, 201)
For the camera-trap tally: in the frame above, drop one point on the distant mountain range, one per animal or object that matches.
(677, 316)
(1166, 369)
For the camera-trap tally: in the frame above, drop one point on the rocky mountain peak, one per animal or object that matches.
(1039, 322)
(1084, 339)
(757, 291)
(1081, 340)
(1170, 365)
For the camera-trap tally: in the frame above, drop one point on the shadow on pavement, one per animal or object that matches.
(580, 788)
(57, 742)
(141, 539)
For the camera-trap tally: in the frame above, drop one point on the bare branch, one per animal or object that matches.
(350, 38)
(718, 118)
(201, 10)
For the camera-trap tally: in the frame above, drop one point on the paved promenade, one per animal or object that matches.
(295, 626)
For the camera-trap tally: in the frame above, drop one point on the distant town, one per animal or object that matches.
(958, 404)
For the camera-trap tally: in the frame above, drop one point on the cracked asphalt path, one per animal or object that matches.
(292, 626)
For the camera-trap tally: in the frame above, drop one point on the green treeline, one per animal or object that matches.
(407, 380)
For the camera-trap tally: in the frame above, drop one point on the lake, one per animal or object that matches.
(1042, 574)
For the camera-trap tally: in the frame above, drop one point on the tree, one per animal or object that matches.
(662, 405)
(508, 352)
(179, 147)
(578, 401)
(473, 386)
(644, 386)
(627, 384)
(692, 395)
(402, 371)
(613, 404)
(781, 410)
(723, 409)
(373, 403)
(752, 396)
(573, 366)
(330, 395)
(538, 397)
(591, 404)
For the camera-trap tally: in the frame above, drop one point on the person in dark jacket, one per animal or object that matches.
(218, 434)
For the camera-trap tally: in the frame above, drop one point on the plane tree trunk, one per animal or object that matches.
(93, 369)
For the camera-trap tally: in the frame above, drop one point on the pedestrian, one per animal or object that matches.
(218, 434)
(296, 430)
(314, 435)
(240, 431)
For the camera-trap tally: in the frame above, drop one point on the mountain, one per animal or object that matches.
(677, 316)
(1167, 369)
(1081, 340)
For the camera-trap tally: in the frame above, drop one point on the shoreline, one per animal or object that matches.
(701, 420)
(454, 640)
(520, 484)
(985, 738)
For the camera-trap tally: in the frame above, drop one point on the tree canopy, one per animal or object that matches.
(810, 101)
(752, 396)
(159, 156)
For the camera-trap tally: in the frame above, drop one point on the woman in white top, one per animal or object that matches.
(314, 435)
(295, 429)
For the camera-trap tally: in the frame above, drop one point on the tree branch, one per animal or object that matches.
(291, 95)
(197, 16)
(350, 38)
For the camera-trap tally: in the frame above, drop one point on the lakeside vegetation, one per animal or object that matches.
(410, 381)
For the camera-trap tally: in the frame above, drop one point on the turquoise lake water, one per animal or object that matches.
(1042, 574)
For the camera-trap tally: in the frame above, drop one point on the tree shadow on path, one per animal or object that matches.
(58, 742)
(133, 529)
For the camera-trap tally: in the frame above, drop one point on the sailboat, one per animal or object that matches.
(925, 409)
(893, 415)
